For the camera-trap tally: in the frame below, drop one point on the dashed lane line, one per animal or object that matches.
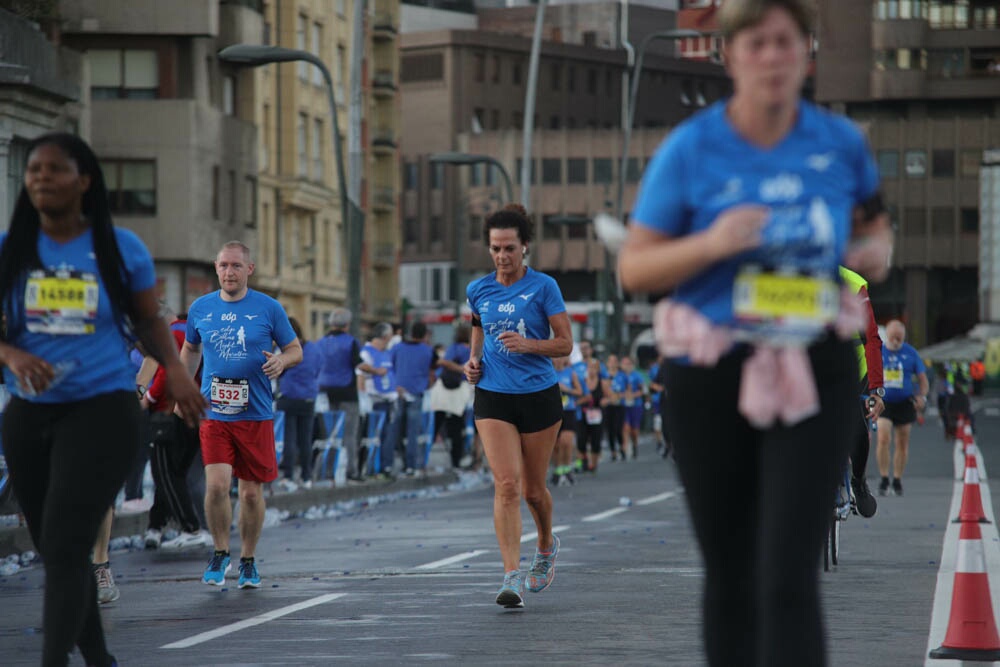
(657, 498)
(457, 558)
(251, 622)
(605, 515)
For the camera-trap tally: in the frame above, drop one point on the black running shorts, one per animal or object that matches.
(530, 413)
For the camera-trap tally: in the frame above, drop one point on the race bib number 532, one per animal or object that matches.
(229, 396)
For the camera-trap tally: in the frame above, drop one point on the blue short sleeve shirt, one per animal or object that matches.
(810, 181)
(234, 336)
(68, 319)
(524, 307)
(898, 369)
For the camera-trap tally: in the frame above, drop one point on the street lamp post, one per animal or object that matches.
(636, 77)
(457, 158)
(256, 55)
(452, 157)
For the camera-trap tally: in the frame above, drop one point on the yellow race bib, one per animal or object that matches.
(779, 299)
(61, 302)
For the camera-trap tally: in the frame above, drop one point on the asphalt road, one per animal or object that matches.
(413, 582)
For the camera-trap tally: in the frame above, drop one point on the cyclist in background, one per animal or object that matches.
(869, 350)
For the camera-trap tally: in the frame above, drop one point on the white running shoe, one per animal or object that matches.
(186, 541)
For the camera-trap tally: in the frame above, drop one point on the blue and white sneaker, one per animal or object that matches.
(215, 573)
(543, 567)
(249, 577)
(509, 595)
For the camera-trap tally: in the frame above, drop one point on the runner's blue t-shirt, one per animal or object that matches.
(634, 382)
(654, 396)
(68, 321)
(619, 381)
(811, 181)
(524, 307)
(898, 369)
(234, 336)
(565, 377)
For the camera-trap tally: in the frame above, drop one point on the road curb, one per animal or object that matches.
(17, 540)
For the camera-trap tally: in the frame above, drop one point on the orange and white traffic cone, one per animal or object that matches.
(972, 629)
(972, 499)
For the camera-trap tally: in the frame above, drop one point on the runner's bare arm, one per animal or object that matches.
(276, 364)
(190, 357)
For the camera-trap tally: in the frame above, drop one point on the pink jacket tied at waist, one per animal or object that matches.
(777, 382)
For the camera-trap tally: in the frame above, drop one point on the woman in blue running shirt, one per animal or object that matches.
(519, 323)
(74, 291)
(745, 212)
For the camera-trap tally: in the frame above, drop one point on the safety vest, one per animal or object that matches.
(856, 282)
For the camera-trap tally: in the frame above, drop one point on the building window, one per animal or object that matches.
(517, 120)
(411, 230)
(914, 222)
(437, 176)
(571, 79)
(915, 163)
(265, 144)
(495, 119)
(479, 67)
(943, 163)
(229, 95)
(317, 149)
(632, 170)
(250, 186)
(232, 196)
(425, 67)
(534, 171)
(591, 81)
(301, 145)
(338, 73)
(555, 122)
(551, 171)
(301, 26)
(436, 229)
(317, 41)
(556, 76)
(942, 221)
(969, 163)
(411, 175)
(515, 74)
(969, 220)
(495, 78)
(131, 186)
(216, 204)
(888, 164)
(576, 170)
(607, 82)
(603, 170)
(131, 74)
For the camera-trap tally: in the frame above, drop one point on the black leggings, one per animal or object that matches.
(862, 439)
(760, 503)
(454, 428)
(67, 462)
(175, 447)
(614, 420)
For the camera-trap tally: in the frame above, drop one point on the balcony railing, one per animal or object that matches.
(384, 83)
(383, 198)
(384, 26)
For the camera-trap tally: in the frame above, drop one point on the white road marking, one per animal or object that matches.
(605, 514)
(527, 537)
(250, 622)
(657, 498)
(457, 558)
(992, 412)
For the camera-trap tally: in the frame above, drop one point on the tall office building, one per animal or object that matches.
(922, 78)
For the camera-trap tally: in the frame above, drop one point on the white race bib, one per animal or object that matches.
(230, 396)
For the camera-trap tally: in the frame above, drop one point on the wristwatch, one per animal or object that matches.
(879, 391)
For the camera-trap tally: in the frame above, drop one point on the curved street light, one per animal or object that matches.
(256, 55)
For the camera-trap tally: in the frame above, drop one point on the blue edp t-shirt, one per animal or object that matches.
(898, 369)
(67, 317)
(524, 307)
(234, 336)
(811, 181)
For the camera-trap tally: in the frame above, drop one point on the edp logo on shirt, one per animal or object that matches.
(506, 308)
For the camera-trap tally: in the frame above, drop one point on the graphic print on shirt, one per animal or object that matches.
(229, 395)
